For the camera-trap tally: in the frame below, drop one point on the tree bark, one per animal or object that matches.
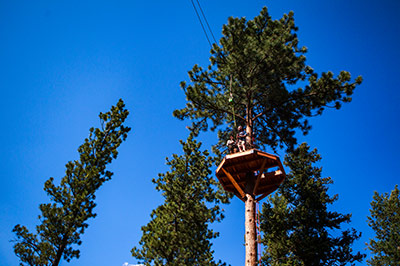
(250, 203)
(59, 254)
(250, 222)
(249, 127)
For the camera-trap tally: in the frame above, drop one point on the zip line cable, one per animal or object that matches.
(209, 42)
(205, 19)
(202, 26)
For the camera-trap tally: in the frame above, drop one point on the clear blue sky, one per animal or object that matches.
(62, 62)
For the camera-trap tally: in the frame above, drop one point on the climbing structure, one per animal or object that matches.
(234, 170)
(251, 175)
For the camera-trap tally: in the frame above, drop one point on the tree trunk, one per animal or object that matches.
(250, 204)
(61, 249)
(249, 137)
(59, 254)
(250, 222)
(249, 128)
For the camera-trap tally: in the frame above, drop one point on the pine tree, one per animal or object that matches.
(64, 220)
(385, 221)
(258, 77)
(297, 227)
(178, 232)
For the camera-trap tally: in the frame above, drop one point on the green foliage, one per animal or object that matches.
(258, 75)
(297, 227)
(178, 232)
(72, 202)
(385, 221)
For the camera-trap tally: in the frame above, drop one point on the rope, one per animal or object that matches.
(258, 232)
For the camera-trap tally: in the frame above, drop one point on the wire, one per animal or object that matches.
(205, 19)
(209, 42)
(202, 26)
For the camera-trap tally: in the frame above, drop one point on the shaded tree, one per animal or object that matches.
(297, 227)
(385, 221)
(178, 232)
(64, 219)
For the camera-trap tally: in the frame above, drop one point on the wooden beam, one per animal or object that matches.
(237, 195)
(270, 156)
(220, 166)
(273, 174)
(240, 154)
(266, 193)
(281, 168)
(241, 184)
(271, 179)
(238, 188)
(262, 196)
(259, 176)
(243, 169)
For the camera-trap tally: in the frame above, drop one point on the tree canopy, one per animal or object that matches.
(258, 77)
(297, 227)
(385, 221)
(64, 220)
(178, 232)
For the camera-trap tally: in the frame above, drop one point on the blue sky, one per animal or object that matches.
(62, 62)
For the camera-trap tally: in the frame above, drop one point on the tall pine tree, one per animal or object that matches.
(385, 221)
(178, 232)
(258, 78)
(297, 227)
(64, 220)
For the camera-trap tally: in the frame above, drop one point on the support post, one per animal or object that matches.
(250, 222)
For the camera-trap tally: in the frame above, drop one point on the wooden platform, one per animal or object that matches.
(266, 168)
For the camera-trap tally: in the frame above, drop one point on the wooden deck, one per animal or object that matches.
(235, 168)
